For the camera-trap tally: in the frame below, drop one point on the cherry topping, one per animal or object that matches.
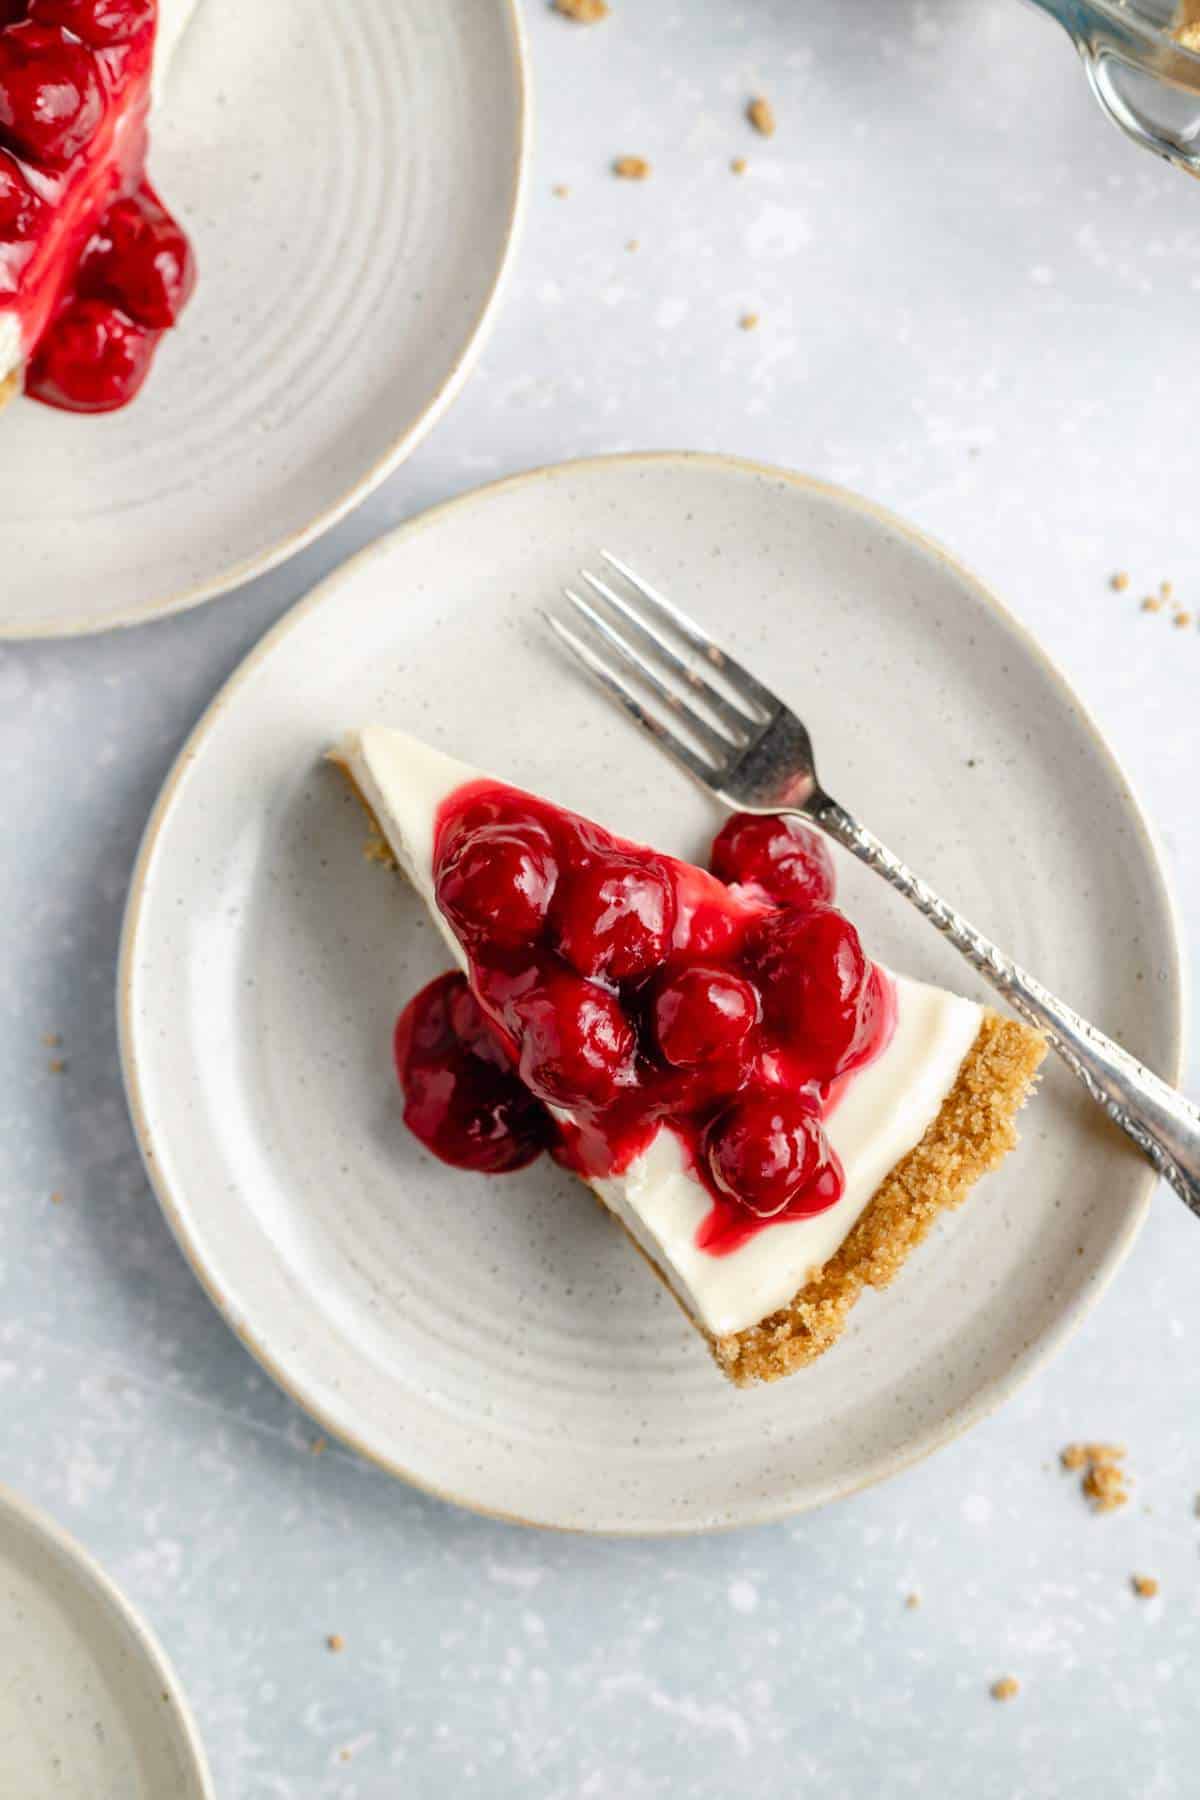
(788, 861)
(615, 918)
(703, 1015)
(816, 986)
(764, 1150)
(462, 1098)
(19, 205)
(141, 260)
(576, 1043)
(100, 23)
(51, 101)
(93, 359)
(497, 882)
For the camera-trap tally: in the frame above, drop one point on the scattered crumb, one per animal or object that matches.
(1105, 1483)
(560, 190)
(52, 1039)
(1151, 603)
(1120, 581)
(319, 1446)
(1144, 1586)
(56, 1198)
(632, 244)
(57, 1065)
(761, 116)
(335, 1641)
(584, 12)
(1182, 619)
(748, 321)
(738, 165)
(1007, 1688)
(1166, 589)
(631, 168)
(912, 1602)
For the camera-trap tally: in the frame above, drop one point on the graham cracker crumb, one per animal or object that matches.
(1007, 1688)
(1181, 619)
(738, 165)
(1120, 581)
(1166, 589)
(912, 1602)
(319, 1446)
(1151, 603)
(1105, 1483)
(972, 1133)
(749, 321)
(761, 115)
(57, 1065)
(378, 850)
(335, 1642)
(584, 12)
(52, 1039)
(560, 190)
(632, 244)
(56, 1198)
(1144, 1586)
(631, 168)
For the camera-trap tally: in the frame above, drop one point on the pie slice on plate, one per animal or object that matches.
(93, 269)
(775, 1120)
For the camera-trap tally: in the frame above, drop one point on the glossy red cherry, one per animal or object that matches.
(100, 23)
(20, 207)
(765, 1150)
(817, 988)
(703, 1015)
(576, 1043)
(51, 100)
(615, 918)
(93, 359)
(142, 261)
(497, 881)
(790, 862)
(469, 1109)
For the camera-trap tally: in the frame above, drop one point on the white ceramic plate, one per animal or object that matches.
(498, 1341)
(351, 175)
(89, 1706)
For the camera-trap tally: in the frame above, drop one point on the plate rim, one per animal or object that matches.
(101, 1584)
(416, 430)
(992, 1396)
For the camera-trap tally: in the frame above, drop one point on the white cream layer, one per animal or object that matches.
(883, 1114)
(11, 356)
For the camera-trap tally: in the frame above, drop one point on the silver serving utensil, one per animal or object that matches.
(750, 750)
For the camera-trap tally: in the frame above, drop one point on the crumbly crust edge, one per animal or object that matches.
(973, 1132)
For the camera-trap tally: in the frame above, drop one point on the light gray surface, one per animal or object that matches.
(977, 304)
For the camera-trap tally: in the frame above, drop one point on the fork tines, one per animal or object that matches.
(638, 645)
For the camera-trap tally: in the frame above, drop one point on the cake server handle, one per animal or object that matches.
(1161, 1122)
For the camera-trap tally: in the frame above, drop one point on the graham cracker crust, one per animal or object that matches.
(10, 387)
(973, 1132)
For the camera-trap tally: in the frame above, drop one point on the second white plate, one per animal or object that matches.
(351, 176)
(498, 1341)
(89, 1706)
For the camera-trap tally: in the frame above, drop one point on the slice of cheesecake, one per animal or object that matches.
(93, 269)
(774, 1120)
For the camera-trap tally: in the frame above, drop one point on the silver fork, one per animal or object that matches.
(743, 744)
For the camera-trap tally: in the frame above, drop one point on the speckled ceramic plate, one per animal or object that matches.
(351, 175)
(89, 1706)
(498, 1341)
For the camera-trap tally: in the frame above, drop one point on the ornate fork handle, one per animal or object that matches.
(1163, 1125)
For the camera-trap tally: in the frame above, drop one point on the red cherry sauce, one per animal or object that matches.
(613, 990)
(91, 263)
